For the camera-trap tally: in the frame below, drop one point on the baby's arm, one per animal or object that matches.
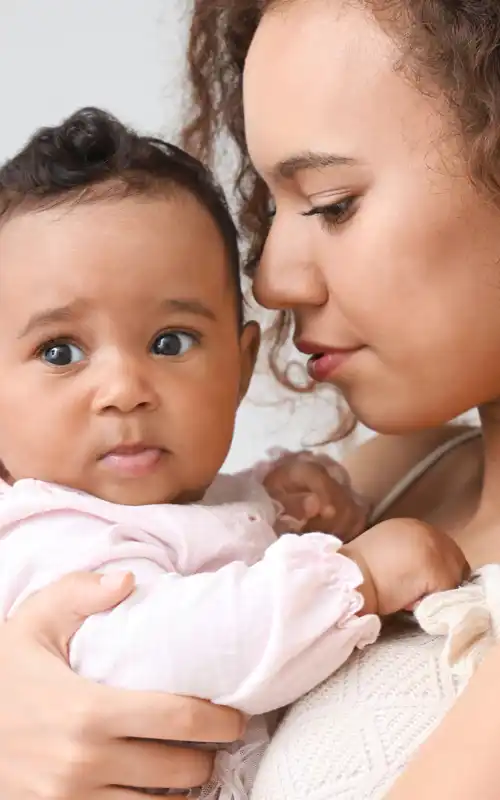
(255, 638)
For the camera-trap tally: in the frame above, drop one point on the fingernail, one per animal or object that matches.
(312, 505)
(113, 580)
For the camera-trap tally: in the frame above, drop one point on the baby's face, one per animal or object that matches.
(121, 361)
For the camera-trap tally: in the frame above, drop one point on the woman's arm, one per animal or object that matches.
(461, 759)
(64, 737)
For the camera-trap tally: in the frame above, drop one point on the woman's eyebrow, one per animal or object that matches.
(309, 160)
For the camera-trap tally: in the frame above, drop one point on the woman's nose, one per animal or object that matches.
(125, 385)
(287, 276)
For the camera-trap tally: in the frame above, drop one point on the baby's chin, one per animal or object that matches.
(137, 494)
(152, 477)
(160, 487)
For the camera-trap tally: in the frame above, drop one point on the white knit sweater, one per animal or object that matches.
(352, 736)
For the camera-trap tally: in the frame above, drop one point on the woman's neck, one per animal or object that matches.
(480, 538)
(489, 504)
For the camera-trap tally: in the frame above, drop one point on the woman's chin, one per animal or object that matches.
(393, 418)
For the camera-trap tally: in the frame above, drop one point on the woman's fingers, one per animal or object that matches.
(82, 737)
(129, 794)
(64, 737)
(54, 614)
(140, 763)
(154, 715)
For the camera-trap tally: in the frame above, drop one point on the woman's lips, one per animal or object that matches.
(325, 361)
(322, 366)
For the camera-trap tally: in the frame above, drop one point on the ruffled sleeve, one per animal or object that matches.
(306, 625)
(468, 618)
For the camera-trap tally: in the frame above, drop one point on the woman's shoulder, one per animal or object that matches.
(381, 462)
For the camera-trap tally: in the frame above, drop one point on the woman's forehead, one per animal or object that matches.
(334, 87)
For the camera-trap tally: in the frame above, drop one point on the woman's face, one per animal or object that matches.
(380, 245)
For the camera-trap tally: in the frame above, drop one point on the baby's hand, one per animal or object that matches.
(313, 499)
(402, 561)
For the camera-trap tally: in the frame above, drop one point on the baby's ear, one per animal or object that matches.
(249, 345)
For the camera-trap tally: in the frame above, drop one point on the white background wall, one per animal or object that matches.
(128, 57)
(57, 55)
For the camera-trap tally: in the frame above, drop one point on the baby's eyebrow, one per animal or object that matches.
(49, 316)
(190, 306)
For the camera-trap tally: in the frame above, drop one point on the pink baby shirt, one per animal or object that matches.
(224, 609)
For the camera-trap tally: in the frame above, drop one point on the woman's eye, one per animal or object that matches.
(335, 213)
(173, 343)
(61, 354)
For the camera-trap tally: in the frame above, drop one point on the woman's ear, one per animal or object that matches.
(249, 346)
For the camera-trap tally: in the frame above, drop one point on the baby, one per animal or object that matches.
(124, 356)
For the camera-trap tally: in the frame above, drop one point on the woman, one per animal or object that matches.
(63, 738)
(371, 131)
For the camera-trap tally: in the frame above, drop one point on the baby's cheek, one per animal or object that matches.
(201, 445)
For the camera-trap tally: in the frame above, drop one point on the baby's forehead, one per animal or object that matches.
(135, 252)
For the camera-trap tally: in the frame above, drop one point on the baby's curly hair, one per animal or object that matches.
(92, 156)
(452, 46)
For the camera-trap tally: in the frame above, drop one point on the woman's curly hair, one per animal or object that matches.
(452, 46)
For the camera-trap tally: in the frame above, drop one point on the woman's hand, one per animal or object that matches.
(64, 738)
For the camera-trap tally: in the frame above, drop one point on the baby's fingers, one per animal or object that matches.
(453, 570)
(298, 509)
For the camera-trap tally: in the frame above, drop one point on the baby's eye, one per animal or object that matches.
(173, 343)
(61, 354)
